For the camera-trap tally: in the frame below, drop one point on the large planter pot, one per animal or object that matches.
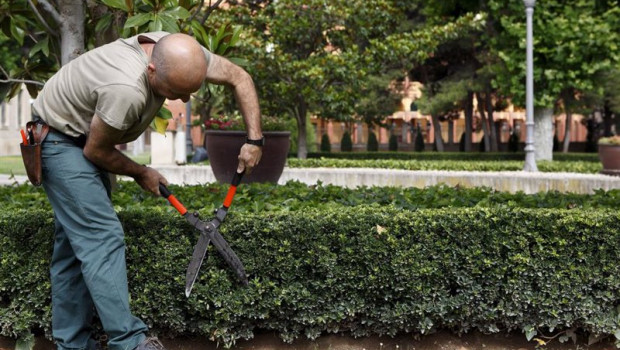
(610, 157)
(223, 148)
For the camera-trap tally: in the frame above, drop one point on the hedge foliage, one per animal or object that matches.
(368, 269)
(296, 196)
(459, 156)
(419, 163)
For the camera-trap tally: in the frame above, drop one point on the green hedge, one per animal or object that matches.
(470, 156)
(367, 269)
(296, 196)
(424, 163)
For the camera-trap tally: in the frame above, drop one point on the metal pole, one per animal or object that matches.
(530, 157)
(188, 127)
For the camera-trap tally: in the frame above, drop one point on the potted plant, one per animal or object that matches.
(224, 136)
(609, 154)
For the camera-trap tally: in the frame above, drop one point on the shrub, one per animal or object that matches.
(452, 165)
(363, 270)
(611, 140)
(393, 143)
(326, 145)
(513, 142)
(296, 196)
(346, 144)
(419, 141)
(373, 144)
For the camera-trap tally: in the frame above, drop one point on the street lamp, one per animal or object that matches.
(530, 157)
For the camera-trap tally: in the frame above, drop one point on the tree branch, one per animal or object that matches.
(210, 10)
(41, 19)
(25, 81)
(202, 2)
(49, 8)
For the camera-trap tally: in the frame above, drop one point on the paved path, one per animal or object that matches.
(508, 181)
(11, 179)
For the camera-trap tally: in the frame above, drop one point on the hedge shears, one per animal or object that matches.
(209, 233)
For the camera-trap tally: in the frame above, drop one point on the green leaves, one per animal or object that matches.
(572, 44)
(362, 270)
(155, 19)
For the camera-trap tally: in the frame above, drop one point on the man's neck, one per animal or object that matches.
(148, 48)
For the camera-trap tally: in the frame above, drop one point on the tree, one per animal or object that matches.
(53, 32)
(373, 144)
(317, 57)
(574, 40)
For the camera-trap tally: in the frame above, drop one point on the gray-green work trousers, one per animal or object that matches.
(88, 269)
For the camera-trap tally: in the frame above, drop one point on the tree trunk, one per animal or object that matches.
(608, 121)
(485, 125)
(72, 13)
(469, 120)
(543, 133)
(97, 10)
(567, 128)
(567, 97)
(300, 116)
(437, 132)
(491, 119)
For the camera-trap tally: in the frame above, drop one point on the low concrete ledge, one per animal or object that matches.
(513, 181)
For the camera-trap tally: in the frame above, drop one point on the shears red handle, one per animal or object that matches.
(227, 201)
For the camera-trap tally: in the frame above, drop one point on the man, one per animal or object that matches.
(106, 97)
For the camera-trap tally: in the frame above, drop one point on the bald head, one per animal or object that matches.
(179, 62)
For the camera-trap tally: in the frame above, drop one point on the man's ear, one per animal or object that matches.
(151, 68)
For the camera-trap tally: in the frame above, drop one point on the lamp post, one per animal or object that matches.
(530, 157)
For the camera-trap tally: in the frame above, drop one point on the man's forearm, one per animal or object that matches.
(114, 161)
(245, 94)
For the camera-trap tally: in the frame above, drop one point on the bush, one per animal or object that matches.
(326, 145)
(296, 196)
(513, 142)
(373, 144)
(363, 270)
(419, 141)
(450, 165)
(458, 156)
(346, 144)
(393, 143)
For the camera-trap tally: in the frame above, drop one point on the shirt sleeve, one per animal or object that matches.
(119, 106)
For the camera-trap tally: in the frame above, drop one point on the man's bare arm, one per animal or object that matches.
(100, 149)
(222, 71)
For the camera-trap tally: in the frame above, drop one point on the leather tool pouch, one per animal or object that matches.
(31, 153)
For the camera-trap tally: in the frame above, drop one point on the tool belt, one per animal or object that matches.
(35, 133)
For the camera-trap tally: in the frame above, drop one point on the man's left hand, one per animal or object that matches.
(249, 157)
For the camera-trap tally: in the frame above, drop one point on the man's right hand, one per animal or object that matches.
(150, 179)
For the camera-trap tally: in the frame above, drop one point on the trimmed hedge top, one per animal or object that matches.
(296, 196)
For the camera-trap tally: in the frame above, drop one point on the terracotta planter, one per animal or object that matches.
(223, 148)
(610, 157)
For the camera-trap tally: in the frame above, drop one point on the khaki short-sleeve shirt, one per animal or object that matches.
(109, 81)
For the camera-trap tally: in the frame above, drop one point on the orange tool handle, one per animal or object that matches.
(233, 189)
(172, 199)
(24, 139)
